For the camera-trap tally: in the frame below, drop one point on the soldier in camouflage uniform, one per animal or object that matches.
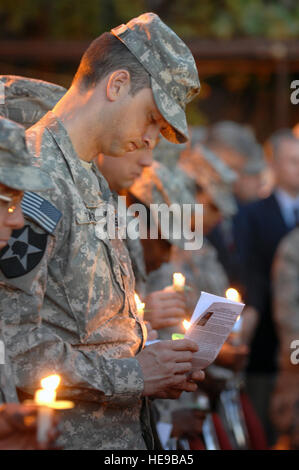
(120, 174)
(26, 100)
(70, 290)
(285, 399)
(210, 182)
(208, 179)
(16, 175)
(159, 185)
(213, 183)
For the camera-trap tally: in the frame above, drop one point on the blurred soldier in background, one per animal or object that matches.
(200, 267)
(27, 100)
(16, 175)
(236, 145)
(208, 182)
(213, 181)
(167, 308)
(264, 224)
(285, 399)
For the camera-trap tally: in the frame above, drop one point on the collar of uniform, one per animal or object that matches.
(81, 177)
(105, 190)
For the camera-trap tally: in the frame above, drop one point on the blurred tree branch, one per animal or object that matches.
(74, 19)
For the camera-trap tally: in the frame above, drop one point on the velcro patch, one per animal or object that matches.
(41, 211)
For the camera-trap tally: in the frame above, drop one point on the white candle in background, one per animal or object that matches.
(186, 324)
(235, 337)
(178, 282)
(233, 294)
(139, 305)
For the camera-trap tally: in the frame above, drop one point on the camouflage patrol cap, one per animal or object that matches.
(167, 152)
(198, 134)
(242, 140)
(212, 175)
(160, 185)
(170, 64)
(16, 170)
(27, 100)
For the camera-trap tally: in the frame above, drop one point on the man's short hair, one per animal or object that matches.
(105, 55)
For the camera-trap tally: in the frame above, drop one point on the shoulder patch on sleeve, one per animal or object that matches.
(41, 211)
(23, 252)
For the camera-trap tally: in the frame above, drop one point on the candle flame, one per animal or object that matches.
(178, 280)
(140, 305)
(44, 397)
(51, 382)
(186, 324)
(233, 294)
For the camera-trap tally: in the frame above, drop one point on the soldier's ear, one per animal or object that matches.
(118, 84)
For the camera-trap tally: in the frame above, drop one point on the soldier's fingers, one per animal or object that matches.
(182, 356)
(20, 417)
(197, 376)
(172, 394)
(173, 300)
(170, 322)
(182, 367)
(189, 387)
(184, 345)
(180, 383)
(171, 294)
(173, 312)
(168, 316)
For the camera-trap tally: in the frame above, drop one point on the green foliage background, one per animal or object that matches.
(84, 19)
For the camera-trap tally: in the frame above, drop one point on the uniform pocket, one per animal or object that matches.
(11, 309)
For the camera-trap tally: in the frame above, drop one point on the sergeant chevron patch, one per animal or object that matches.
(41, 211)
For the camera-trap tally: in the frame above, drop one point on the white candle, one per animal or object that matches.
(186, 324)
(44, 417)
(46, 398)
(233, 294)
(178, 282)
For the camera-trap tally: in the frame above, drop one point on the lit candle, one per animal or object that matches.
(178, 282)
(139, 305)
(186, 325)
(233, 294)
(45, 398)
(235, 336)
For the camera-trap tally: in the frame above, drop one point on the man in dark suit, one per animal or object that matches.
(259, 229)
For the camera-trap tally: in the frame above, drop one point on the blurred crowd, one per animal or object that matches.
(249, 192)
(250, 197)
